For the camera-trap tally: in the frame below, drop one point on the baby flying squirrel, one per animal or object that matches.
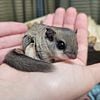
(43, 45)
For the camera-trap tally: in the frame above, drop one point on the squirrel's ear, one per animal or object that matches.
(50, 34)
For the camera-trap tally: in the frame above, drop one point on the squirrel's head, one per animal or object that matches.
(62, 42)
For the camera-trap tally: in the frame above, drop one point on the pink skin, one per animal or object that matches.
(70, 19)
(67, 82)
(11, 37)
(11, 34)
(11, 28)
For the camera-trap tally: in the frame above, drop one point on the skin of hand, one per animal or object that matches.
(67, 82)
(11, 34)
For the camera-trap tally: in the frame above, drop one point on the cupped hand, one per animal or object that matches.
(67, 81)
(71, 19)
(11, 34)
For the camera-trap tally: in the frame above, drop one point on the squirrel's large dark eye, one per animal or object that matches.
(61, 45)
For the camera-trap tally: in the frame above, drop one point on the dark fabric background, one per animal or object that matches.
(25, 10)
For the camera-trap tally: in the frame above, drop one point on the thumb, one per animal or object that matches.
(95, 72)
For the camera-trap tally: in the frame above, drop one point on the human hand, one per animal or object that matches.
(67, 82)
(11, 34)
(70, 19)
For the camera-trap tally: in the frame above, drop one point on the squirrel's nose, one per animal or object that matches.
(71, 54)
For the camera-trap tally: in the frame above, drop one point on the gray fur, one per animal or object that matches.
(41, 48)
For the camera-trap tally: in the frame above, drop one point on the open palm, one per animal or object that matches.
(67, 82)
(70, 19)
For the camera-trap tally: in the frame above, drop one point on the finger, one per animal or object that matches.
(82, 28)
(10, 41)
(59, 17)
(70, 17)
(8, 28)
(95, 72)
(48, 20)
(3, 52)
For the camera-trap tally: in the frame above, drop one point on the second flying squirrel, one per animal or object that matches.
(43, 45)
